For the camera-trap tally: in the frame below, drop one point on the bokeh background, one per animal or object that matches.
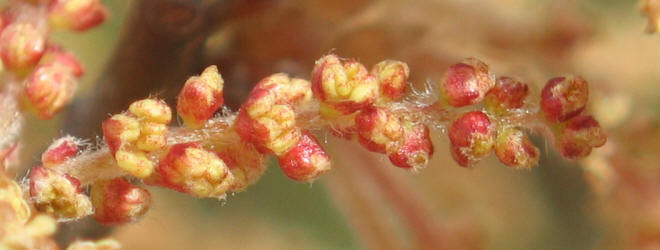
(608, 201)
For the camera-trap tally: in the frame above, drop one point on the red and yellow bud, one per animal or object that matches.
(466, 83)
(564, 97)
(392, 77)
(56, 55)
(191, 169)
(417, 147)
(246, 164)
(60, 151)
(201, 97)
(507, 94)
(78, 15)
(267, 119)
(579, 135)
(306, 161)
(21, 46)
(120, 129)
(514, 149)
(58, 194)
(49, 88)
(118, 201)
(347, 87)
(136, 163)
(379, 130)
(472, 137)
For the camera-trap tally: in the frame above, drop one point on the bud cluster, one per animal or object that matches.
(47, 74)
(215, 154)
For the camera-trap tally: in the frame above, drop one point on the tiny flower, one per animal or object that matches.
(306, 161)
(507, 94)
(151, 110)
(246, 164)
(136, 163)
(392, 77)
(346, 87)
(118, 201)
(56, 55)
(21, 46)
(417, 147)
(472, 137)
(200, 97)
(514, 148)
(579, 135)
(120, 129)
(60, 151)
(466, 83)
(49, 88)
(78, 15)
(379, 130)
(564, 97)
(189, 168)
(58, 194)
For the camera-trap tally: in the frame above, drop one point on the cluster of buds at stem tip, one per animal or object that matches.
(216, 154)
(48, 74)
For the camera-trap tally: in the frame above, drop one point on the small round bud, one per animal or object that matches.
(514, 148)
(201, 97)
(507, 94)
(472, 137)
(564, 97)
(188, 168)
(151, 110)
(58, 194)
(306, 161)
(392, 77)
(56, 55)
(379, 130)
(417, 147)
(579, 135)
(78, 15)
(60, 151)
(466, 83)
(118, 201)
(49, 88)
(21, 46)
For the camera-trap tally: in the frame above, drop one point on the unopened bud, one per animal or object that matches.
(306, 161)
(564, 97)
(579, 135)
(21, 46)
(60, 151)
(78, 15)
(507, 94)
(417, 147)
(392, 77)
(201, 97)
(472, 137)
(379, 130)
(466, 83)
(514, 149)
(118, 201)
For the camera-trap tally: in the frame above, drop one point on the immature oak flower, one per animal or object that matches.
(472, 137)
(466, 83)
(118, 201)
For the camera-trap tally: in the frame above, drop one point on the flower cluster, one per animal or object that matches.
(46, 73)
(218, 151)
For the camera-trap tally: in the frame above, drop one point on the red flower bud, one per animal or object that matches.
(200, 97)
(49, 88)
(78, 15)
(58, 194)
(189, 168)
(507, 94)
(21, 46)
(56, 55)
(417, 147)
(118, 201)
(564, 97)
(392, 77)
(579, 135)
(514, 148)
(472, 137)
(466, 83)
(306, 161)
(60, 151)
(379, 130)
